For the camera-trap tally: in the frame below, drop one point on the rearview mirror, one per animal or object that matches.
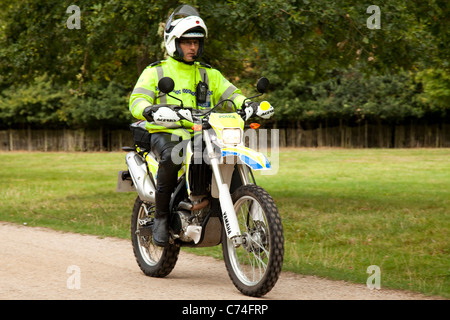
(166, 85)
(262, 85)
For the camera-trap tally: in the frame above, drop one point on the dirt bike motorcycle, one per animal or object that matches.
(216, 201)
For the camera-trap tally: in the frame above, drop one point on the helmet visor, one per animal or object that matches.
(182, 11)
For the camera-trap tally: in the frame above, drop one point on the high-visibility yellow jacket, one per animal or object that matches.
(186, 78)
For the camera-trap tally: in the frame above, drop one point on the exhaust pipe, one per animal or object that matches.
(138, 172)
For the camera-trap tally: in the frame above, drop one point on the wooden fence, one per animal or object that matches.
(369, 136)
(64, 140)
(363, 136)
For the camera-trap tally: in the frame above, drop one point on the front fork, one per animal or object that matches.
(226, 204)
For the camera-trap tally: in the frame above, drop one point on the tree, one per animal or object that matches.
(37, 103)
(299, 45)
(436, 88)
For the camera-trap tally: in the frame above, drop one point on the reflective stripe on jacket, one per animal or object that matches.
(186, 78)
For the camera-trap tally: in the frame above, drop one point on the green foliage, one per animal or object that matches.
(98, 106)
(308, 49)
(352, 95)
(436, 88)
(42, 103)
(37, 103)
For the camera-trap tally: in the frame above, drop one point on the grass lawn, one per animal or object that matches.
(343, 210)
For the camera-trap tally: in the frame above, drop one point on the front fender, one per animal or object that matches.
(253, 159)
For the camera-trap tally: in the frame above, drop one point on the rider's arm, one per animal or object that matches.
(224, 89)
(144, 93)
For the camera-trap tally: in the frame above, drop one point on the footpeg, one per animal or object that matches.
(144, 231)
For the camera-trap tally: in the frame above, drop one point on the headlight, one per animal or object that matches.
(231, 136)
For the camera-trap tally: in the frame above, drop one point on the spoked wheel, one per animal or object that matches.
(153, 260)
(255, 265)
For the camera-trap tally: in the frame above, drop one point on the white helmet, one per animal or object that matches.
(190, 25)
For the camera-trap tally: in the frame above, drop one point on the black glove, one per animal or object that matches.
(148, 113)
(250, 109)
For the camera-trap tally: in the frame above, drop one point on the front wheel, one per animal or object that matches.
(255, 265)
(154, 261)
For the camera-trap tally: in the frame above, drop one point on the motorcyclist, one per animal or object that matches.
(197, 84)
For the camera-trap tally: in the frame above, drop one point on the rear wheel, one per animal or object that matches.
(255, 265)
(153, 260)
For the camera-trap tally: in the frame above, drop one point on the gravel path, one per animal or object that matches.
(39, 263)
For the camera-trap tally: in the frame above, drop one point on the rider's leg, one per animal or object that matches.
(162, 146)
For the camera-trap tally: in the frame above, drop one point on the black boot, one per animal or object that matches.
(161, 230)
(161, 221)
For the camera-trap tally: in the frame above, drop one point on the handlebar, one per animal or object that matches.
(166, 84)
(200, 117)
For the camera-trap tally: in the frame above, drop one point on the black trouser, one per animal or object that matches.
(163, 146)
